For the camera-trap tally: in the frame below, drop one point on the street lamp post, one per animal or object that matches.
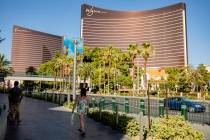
(75, 65)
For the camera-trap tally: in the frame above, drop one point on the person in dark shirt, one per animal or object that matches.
(15, 97)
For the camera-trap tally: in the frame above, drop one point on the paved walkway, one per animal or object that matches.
(46, 121)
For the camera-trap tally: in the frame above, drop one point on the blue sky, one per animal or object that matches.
(62, 17)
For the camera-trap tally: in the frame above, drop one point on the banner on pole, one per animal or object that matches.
(71, 43)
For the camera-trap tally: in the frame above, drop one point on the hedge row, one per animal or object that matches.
(173, 128)
(126, 125)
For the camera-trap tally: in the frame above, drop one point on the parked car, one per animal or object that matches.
(174, 103)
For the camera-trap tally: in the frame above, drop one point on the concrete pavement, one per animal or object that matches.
(47, 121)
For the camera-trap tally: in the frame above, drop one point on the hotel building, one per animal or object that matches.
(31, 48)
(164, 28)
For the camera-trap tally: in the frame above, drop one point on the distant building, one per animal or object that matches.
(164, 28)
(207, 67)
(31, 48)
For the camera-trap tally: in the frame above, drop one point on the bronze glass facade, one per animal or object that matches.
(164, 28)
(31, 48)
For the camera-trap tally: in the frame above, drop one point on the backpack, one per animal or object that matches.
(14, 95)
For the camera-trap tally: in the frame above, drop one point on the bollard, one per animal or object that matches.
(65, 98)
(93, 102)
(4, 107)
(161, 108)
(45, 97)
(100, 112)
(126, 105)
(55, 98)
(101, 103)
(113, 104)
(117, 116)
(184, 111)
(59, 98)
(142, 106)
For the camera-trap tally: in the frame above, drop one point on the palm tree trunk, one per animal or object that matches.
(54, 82)
(104, 79)
(114, 76)
(60, 78)
(99, 79)
(146, 92)
(167, 103)
(84, 83)
(108, 76)
(133, 76)
(138, 79)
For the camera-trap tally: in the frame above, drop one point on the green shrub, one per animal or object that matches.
(126, 125)
(173, 128)
(208, 97)
(69, 105)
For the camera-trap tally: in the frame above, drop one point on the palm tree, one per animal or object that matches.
(117, 57)
(31, 70)
(3, 64)
(133, 51)
(147, 50)
(110, 52)
(104, 60)
(55, 66)
(4, 69)
(194, 77)
(85, 70)
(1, 39)
(69, 69)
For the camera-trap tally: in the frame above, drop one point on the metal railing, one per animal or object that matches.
(133, 106)
(157, 108)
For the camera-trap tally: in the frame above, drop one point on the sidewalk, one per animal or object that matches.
(46, 121)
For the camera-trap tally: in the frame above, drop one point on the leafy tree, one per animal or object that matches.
(204, 74)
(173, 77)
(194, 77)
(202, 70)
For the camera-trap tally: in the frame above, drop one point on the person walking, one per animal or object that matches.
(82, 107)
(15, 97)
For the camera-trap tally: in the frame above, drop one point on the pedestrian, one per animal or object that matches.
(82, 107)
(15, 97)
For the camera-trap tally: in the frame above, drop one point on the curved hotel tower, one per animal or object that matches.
(31, 48)
(164, 28)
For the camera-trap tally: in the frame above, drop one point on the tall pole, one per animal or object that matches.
(69, 87)
(138, 79)
(75, 65)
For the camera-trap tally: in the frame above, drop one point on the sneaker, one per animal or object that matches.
(83, 134)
